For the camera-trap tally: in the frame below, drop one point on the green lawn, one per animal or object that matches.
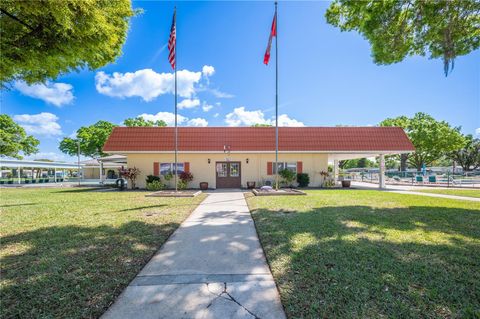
(370, 254)
(67, 253)
(455, 192)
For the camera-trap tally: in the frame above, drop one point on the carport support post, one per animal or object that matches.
(335, 171)
(18, 175)
(55, 174)
(101, 172)
(381, 176)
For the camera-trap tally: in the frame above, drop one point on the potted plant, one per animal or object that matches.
(203, 186)
(250, 185)
(346, 183)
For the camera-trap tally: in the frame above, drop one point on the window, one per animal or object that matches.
(234, 169)
(168, 168)
(291, 166)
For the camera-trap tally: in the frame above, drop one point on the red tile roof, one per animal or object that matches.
(202, 139)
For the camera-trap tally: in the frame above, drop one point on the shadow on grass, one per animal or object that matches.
(80, 189)
(15, 205)
(365, 262)
(144, 207)
(73, 271)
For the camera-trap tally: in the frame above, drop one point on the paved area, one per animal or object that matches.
(410, 190)
(212, 267)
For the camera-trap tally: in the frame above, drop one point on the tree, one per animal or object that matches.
(140, 121)
(14, 139)
(469, 156)
(396, 29)
(91, 139)
(356, 163)
(432, 139)
(41, 40)
(401, 121)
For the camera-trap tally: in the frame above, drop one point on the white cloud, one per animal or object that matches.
(197, 122)
(206, 107)
(285, 120)
(219, 94)
(39, 124)
(146, 84)
(188, 103)
(477, 132)
(208, 70)
(242, 117)
(216, 115)
(167, 117)
(57, 94)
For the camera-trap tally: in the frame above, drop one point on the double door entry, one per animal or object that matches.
(228, 174)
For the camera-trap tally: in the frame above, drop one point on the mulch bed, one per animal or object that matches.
(186, 193)
(280, 192)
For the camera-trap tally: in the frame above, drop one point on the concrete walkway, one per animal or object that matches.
(212, 267)
(410, 190)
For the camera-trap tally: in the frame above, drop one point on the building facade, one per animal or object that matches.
(230, 157)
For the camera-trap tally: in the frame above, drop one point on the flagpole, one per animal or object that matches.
(276, 97)
(176, 127)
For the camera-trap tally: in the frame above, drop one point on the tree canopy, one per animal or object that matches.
(41, 40)
(140, 121)
(14, 140)
(467, 157)
(432, 139)
(396, 29)
(91, 139)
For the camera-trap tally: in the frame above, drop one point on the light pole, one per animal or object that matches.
(78, 161)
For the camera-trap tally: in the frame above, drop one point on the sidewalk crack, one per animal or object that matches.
(230, 298)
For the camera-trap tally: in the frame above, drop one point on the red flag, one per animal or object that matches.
(172, 42)
(273, 33)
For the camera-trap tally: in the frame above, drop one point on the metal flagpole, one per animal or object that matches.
(276, 98)
(176, 128)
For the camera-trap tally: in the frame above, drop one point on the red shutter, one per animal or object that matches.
(269, 168)
(156, 168)
(186, 167)
(299, 167)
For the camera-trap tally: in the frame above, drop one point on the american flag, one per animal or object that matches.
(172, 42)
(273, 33)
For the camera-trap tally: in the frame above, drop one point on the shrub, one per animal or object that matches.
(186, 177)
(155, 185)
(287, 175)
(152, 178)
(329, 183)
(303, 179)
(181, 184)
(131, 174)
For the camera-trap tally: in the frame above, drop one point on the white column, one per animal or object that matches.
(18, 175)
(55, 175)
(381, 175)
(335, 171)
(101, 172)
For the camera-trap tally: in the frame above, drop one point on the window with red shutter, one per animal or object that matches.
(299, 167)
(156, 168)
(269, 168)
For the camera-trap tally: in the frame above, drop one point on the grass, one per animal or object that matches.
(455, 192)
(67, 253)
(370, 254)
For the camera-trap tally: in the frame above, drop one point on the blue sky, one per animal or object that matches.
(326, 77)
